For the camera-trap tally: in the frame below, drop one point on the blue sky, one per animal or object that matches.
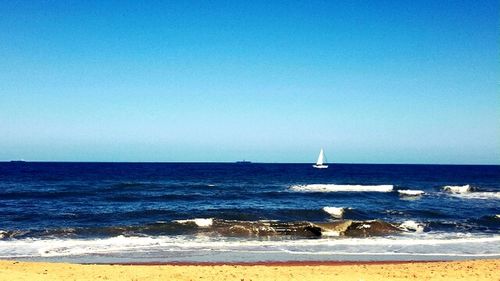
(269, 81)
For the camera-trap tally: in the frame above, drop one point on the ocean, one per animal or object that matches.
(237, 212)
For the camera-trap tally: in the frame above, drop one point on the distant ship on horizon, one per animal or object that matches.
(243, 162)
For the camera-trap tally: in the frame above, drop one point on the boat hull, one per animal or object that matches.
(320, 166)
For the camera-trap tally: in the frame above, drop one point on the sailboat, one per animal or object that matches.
(321, 160)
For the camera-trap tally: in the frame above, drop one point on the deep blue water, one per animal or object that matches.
(56, 195)
(103, 200)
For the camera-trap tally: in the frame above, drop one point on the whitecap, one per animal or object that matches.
(412, 226)
(457, 188)
(198, 222)
(341, 188)
(410, 192)
(336, 212)
(478, 195)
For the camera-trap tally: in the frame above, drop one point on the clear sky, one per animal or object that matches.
(268, 81)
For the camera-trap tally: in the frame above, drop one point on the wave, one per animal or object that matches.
(410, 192)
(341, 188)
(162, 197)
(198, 222)
(45, 194)
(478, 195)
(469, 192)
(457, 188)
(412, 226)
(397, 224)
(223, 228)
(4, 234)
(336, 212)
(175, 248)
(157, 186)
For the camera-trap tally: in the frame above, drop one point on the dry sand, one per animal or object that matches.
(463, 270)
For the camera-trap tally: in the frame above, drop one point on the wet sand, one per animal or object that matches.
(456, 270)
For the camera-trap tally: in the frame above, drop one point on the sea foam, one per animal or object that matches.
(478, 195)
(198, 222)
(457, 188)
(168, 246)
(468, 192)
(341, 188)
(412, 226)
(410, 192)
(336, 212)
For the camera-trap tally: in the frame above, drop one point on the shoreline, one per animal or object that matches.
(267, 263)
(484, 269)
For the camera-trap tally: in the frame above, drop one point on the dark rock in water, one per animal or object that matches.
(371, 228)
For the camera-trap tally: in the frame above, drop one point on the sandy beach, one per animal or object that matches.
(463, 270)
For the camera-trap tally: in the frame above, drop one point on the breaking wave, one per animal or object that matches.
(336, 212)
(478, 195)
(410, 192)
(457, 188)
(198, 222)
(469, 192)
(175, 248)
(412, 226)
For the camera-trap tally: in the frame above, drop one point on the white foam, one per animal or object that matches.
(457, 188)
(331, 233)
(341, 188)
(416, 244)
(198, 222)
(336, 212)
(478, 195)
(410, 192)
(412, 225)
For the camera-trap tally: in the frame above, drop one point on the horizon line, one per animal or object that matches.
(236, 162)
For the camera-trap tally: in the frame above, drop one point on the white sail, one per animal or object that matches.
(320, 164)
(321, 158)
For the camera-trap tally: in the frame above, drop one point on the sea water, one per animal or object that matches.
(196, 212)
